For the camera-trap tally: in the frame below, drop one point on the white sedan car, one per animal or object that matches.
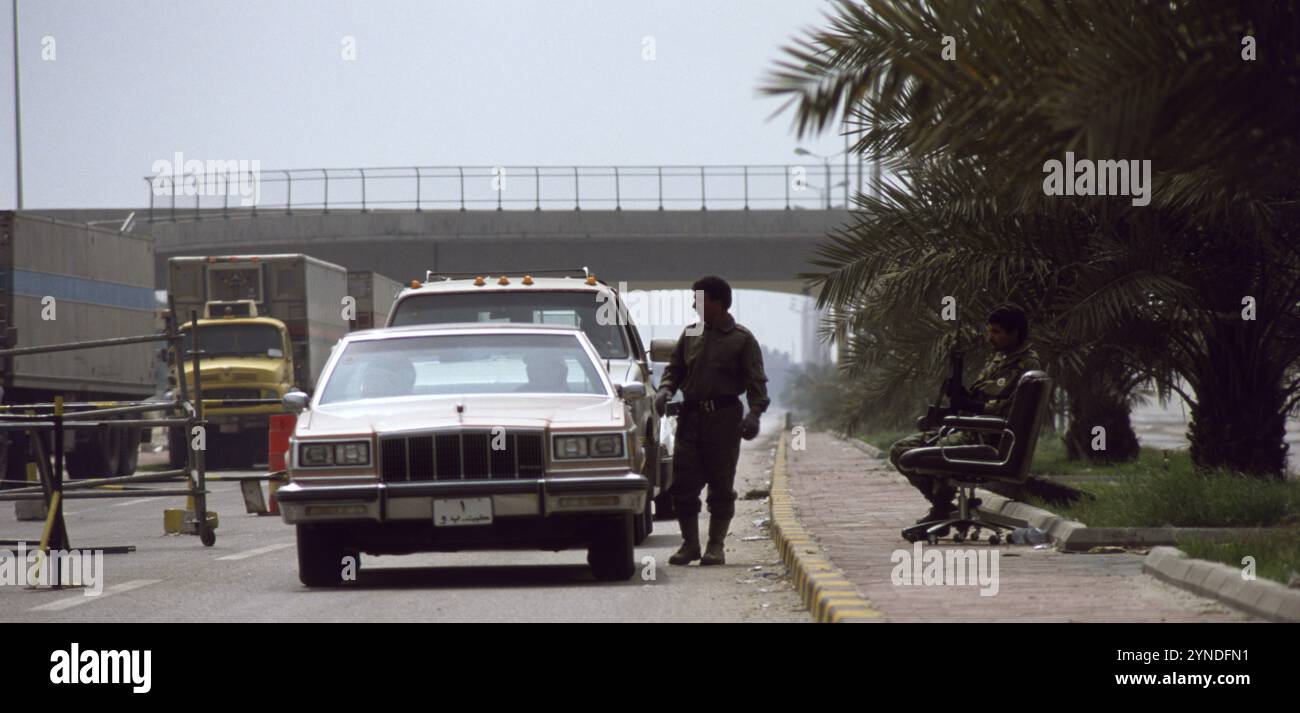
(457, 437)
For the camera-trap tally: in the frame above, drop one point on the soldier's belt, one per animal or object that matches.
(709, 405)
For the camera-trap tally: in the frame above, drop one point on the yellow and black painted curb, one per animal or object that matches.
(828, 595)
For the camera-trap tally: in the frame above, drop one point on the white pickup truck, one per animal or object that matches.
(575, 298)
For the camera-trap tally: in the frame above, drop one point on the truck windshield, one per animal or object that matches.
(580, 309)
(463, 364)
(218, 340)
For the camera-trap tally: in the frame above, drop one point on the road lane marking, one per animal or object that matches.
(255, 552)
(76, 600)
(131, 502)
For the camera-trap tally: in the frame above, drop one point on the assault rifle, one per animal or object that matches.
(952, 386)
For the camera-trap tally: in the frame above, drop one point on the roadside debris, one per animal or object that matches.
(757, 493)
(1028, 536)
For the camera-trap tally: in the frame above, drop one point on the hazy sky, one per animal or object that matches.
(439, 82)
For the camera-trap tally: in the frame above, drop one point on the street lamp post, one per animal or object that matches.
(846, 170)
(826, 160)
(18, 122)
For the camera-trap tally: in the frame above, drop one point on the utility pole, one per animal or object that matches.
(859, 174)
(846, 165)
(18, 120)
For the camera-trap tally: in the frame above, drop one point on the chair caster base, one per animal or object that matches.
(932, 532)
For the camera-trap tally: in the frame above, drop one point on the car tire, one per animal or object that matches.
(644, 524)
(320, 557)
(96, 456)
(611, 554)
(129, 455)
(177, 455)
(214, 455)
(15, 450)
(222, 451)
(254, 448)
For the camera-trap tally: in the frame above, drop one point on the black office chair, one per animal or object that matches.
(967, 467)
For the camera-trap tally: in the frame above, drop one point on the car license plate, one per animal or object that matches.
(230, 428)
(459, 512)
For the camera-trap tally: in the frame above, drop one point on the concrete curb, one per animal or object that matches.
(866, 448)
(1074, 536)
(1089, 537)
(1260, 597)
(827, 594)
(1014, 512)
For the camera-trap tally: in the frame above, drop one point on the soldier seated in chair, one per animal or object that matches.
(989, 395)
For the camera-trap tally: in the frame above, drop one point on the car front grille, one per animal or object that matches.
(235, 393)
(461, 455)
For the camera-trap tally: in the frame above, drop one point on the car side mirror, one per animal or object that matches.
(661, 350)
(631, 391)
(295, 400)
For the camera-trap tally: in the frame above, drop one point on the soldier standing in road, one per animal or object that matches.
(989, 395)
(711, 368)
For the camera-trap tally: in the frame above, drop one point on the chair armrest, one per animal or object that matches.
(987, 424)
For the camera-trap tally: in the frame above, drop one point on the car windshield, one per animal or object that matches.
(463, 364)
(218, 340)
(582, 309)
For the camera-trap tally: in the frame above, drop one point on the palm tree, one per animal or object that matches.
(888, 273)
(1171, 82)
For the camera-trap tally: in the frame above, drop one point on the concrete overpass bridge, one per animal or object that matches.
(654, 227)
(755, 249)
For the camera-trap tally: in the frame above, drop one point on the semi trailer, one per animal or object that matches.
(63, 282)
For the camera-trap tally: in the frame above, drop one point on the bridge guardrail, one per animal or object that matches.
(204, 188)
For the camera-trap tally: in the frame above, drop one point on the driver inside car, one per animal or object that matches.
(390, 376)
(547, 374)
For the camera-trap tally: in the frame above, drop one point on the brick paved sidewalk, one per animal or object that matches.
(855, 506)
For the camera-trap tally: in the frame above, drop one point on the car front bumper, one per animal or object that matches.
(511, 499)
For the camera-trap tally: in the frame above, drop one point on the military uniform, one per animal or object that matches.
(994, 386)
(711, 370)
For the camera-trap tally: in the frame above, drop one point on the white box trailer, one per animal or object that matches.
(374, 295)
(304, 293)
(64, 282)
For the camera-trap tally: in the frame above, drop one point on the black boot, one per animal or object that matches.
(938, 512)
(690, 549)
(714, 553)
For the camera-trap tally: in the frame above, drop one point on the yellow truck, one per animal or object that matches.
(267, 324)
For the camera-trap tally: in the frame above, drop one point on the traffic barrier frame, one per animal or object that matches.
(56, 418)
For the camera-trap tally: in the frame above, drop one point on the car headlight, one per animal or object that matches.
(321, 455)
(604, 445)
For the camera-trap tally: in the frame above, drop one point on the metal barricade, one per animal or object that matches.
(46, 425)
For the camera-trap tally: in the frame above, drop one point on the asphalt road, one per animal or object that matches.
(251, 573)
(1164, 426)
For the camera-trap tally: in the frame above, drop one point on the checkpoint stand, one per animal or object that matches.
(45, 426)
(44, 423)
